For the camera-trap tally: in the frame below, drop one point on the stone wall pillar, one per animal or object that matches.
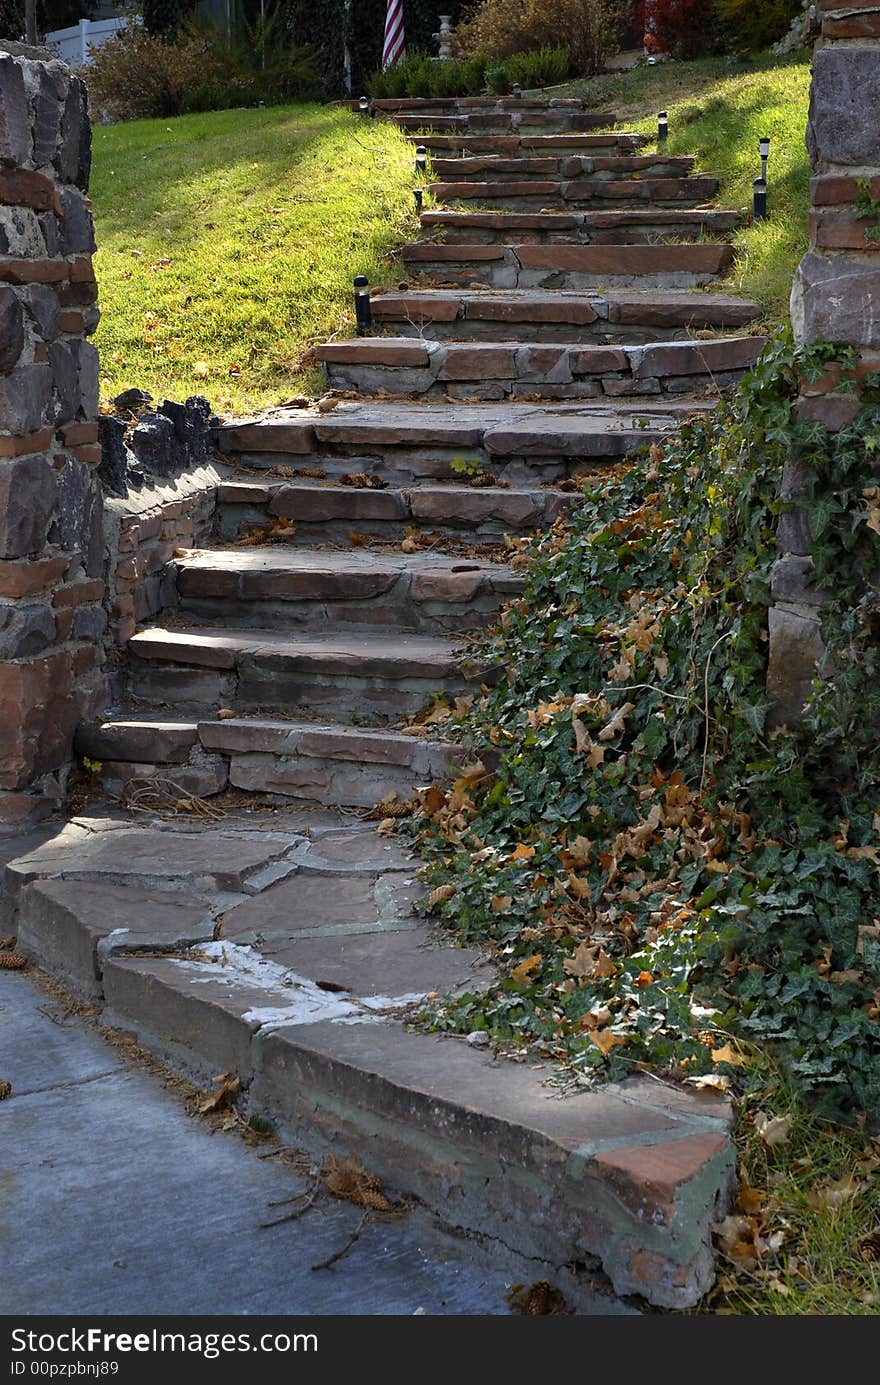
(835, 298)
(51, 544)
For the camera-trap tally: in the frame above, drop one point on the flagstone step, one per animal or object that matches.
(570, 267)
(522, 121)
(523, 444)
(511, 146)
(293, 962)
(414, 105)
(493, 370)
(301, 589)
(320, 511)
(634, 225)
(599, 167)
(337, 673)
(615, 316)
(532, 194)
(326, 763)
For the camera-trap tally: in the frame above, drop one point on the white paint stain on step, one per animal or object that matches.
(291, 999)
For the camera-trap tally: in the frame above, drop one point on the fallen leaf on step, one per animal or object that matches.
(227, 1085)
(605, 1040)
(224, 714)
(728, 1054)
(325, 406)
(5, 1090)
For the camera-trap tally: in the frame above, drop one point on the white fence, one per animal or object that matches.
(73, 44)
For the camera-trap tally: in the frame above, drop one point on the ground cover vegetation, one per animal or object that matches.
(666, 880)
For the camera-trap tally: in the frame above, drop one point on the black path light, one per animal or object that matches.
(362, 309)
(363, 104)
(421, 158)
(517, 90)
(662, 127)
(759, 187)
(418, 195)
(759, 199)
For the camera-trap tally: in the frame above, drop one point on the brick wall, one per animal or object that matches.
(835, 298)
(51, 547)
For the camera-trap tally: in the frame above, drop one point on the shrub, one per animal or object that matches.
(136, 75)
(744, 26)
(504, 28)
(418, 75)
(545, 67)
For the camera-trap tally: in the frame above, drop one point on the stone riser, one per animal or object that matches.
(395, 612)
(262, 685)
(504, 123)
(650, 232)
(410, 384)
(328, 514)
(610, 194)
(508, 274)
(322, 764)
(413, 465)
(547, 315)
(599, 168)
(493, 371)
(531, 146)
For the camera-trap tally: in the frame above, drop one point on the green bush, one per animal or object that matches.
(417, 74)
(505, 28)
(136, 75)
(743, 26)
(542, 67)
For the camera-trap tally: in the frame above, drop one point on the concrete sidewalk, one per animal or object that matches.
(113, 1200)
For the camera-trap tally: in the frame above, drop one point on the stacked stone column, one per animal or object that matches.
(836, 299)
(51, 545)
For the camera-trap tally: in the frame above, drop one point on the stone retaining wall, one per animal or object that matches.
(835, 298)
(51, 550)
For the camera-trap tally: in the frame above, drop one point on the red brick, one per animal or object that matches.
(81, 270)
(123, 631)
(852, 26)
(478, 362)
(17, 271)
(78, 295)
(28, 578)
(647, 1177)
(31, 442)
(74, 434)
(835, 411)
(835, 189)
(63, 622)
(41, 352)
(72, 322)
(377, 351)
(18, 807)
(79, 593)
(20, 188)
(90, 454)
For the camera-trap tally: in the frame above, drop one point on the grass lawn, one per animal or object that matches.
(228, 242)
(718, 109)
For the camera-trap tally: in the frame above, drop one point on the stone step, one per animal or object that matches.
(493, 370)
(621, 315)
(340, 673)
(293, 961)
(633, 226)
(525, 121)
(445, 105)
(326, 763)
(527, 195)
(322, 512)
(524, 444)
(301, 589)
(599, 167)
(570, 267)
(511, 146)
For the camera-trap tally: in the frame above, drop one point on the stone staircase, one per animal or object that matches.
(553, 328)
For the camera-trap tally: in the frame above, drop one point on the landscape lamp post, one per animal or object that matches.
(363, 104)
(517, 90)
(759, 194)
(421, 158)
(662, 127)
(362, 310)
(418, 194)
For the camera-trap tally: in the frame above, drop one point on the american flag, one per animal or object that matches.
(394, 43)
